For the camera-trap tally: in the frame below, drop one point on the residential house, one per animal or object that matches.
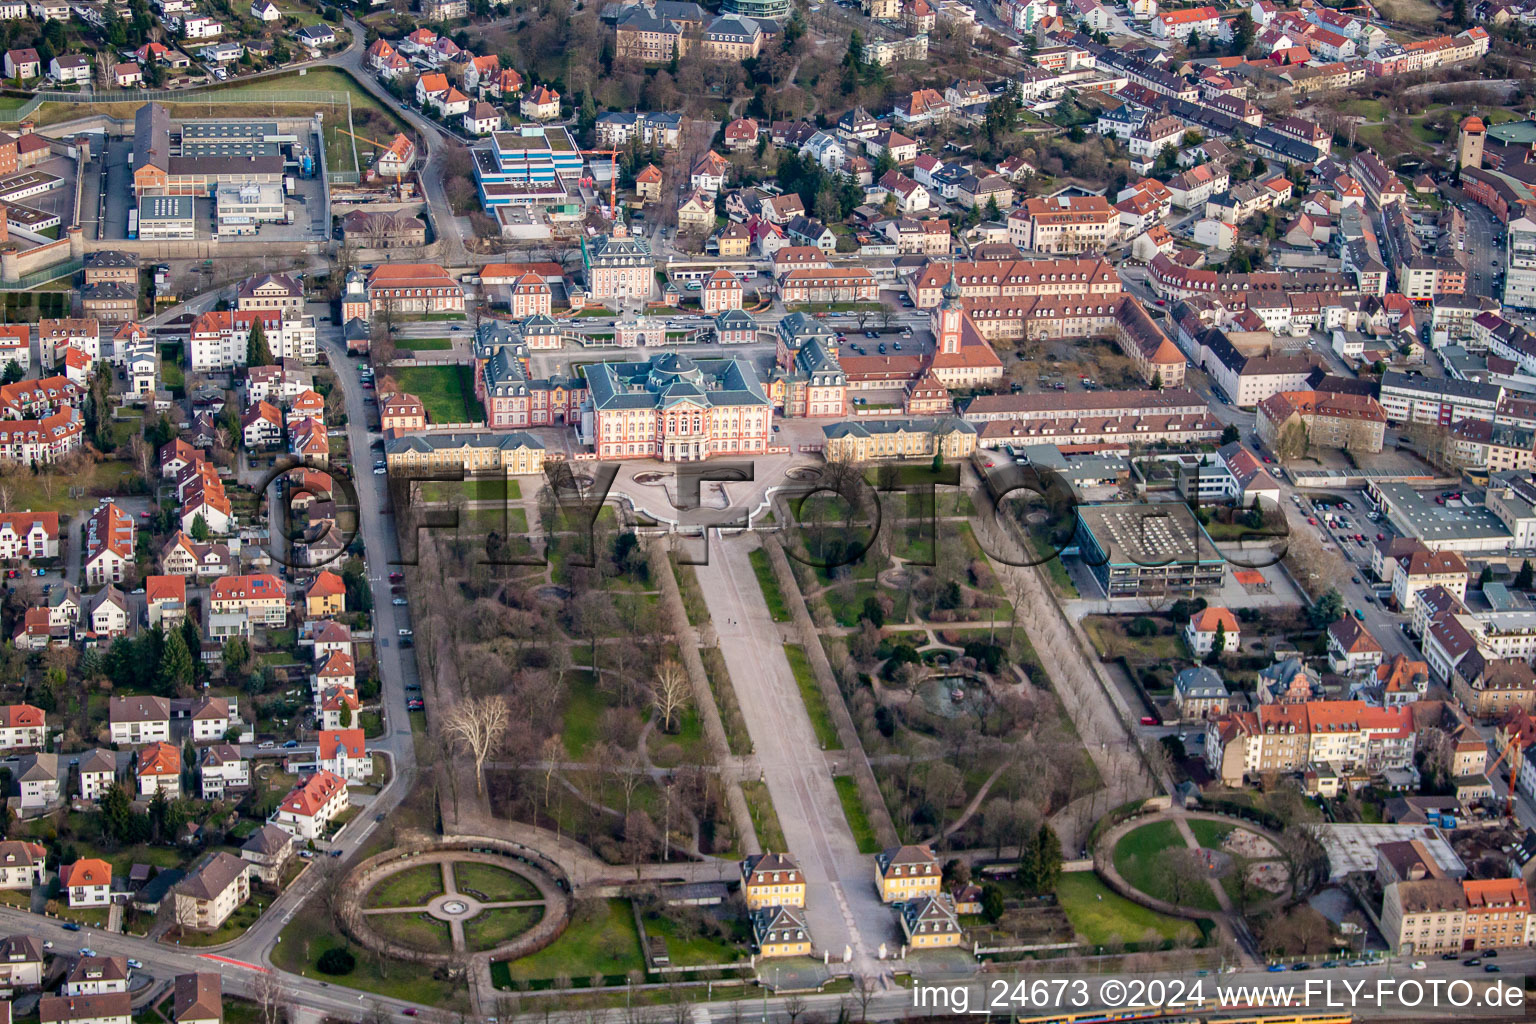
(222, 769)
(159, 770)
(268, 852)
(139, 719)
(87, 882)
(308, 810)
(206, 897)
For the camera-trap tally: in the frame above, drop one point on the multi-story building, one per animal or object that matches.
(1135, 550)
(509, 454)
(213, 891)
(1281, 738)
(772, 879)
(88, 882)
(307, 811)
(905, 873)
(207, 158)
(28, 535)
(1062, 224)
(675, 409)
(220, 339)
(1436, 400)
(530, 164)
(875, 440)
(261, 597)
(1354, 423)
(620, 269)
(781, 931)
(108, 544)
(22, 864)
(997, 279)
(410, 288)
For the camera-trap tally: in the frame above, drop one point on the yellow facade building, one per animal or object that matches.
(781, 931)
(772, 879)
(906, 873)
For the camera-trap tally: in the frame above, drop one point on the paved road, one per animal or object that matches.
(433, 136)
(842, 907)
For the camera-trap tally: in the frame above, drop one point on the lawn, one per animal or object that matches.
(425, 344)
(583, 707)
(416, 930)
(49, 492)
(690, 950)
(777, 609)
(810, 694)
(736, 735)
(491, 928)
(310, 935)
(1100, 916)
(244, 916)
(412, 887)
(1209, 834)
(853, 810)
(483, 489)
(494, 883)
(765, 820)
(1139, 859)
(448, 392)
(600, 939)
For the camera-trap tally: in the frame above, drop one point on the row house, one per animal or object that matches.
(1285, 738)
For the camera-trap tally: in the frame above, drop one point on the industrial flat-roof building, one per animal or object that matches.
(199, 156)
(242, 209)
(1457, 526)
(1137, 550)
(166, 217)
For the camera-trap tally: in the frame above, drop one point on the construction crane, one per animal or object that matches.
(613, 176)
(1512, 751)
(370, 142)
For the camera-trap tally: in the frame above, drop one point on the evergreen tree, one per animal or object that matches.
(1047, 859)
(257, 353)
(1230, 434)
(116, 814)
(1157, 381)
(199, 528)
(175, 662)
(1219, 644)
(1523, 577)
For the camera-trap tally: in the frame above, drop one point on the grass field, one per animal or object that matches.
(495, 884)
(604, 942)
(1101, 916)
(417, 930)
(853, 810)
(448, 392)
(765, 579)
(1139, 857)
(810, 693)
(425, 344)
(765, 820)
(491, 928)
(492, 489)
(310, 935)
(583, 707)
(412, 887)
(1209, 834)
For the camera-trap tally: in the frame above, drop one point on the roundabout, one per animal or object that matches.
(435, 904)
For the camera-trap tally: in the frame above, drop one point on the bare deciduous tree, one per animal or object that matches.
(479, 726)
(271, 998)
(672, 692)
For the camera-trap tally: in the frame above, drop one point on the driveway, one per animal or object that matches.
(842, 906)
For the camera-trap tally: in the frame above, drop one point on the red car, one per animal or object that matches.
(1381, 536)
(414, 705)
(1148, 720)
(396, 577)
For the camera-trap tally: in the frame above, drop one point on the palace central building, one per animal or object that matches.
(675, 409)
